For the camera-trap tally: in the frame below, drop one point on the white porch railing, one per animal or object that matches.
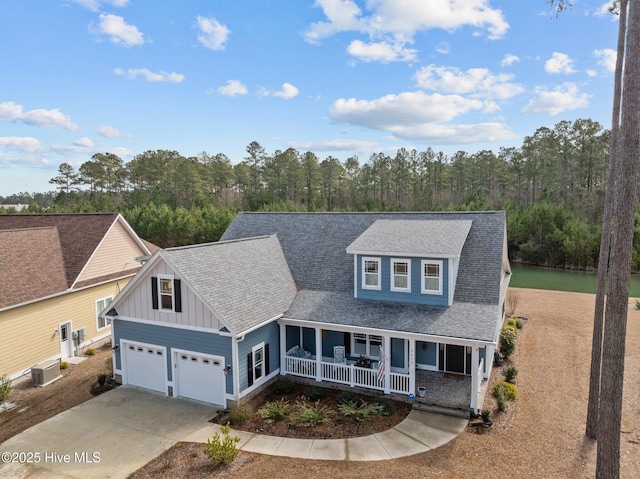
(345, 374)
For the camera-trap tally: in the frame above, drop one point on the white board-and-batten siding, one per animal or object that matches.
(138, 303)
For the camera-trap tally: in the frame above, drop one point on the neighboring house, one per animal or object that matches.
(59, 272)
(317, 295)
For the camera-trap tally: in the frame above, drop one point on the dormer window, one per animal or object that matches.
(401, 275)
(431, 277)
(370, 273)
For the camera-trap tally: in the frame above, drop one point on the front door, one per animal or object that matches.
(66, 342)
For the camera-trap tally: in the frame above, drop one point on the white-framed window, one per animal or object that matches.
(371, 273)
(431, 277)
(165, 292)
(101, 305)
(366, 345)
(401, 275)
(257, 353)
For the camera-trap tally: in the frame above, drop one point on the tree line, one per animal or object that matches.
(552, 187)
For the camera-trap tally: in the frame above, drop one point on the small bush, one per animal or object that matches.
(388, 406)
(283, 386)
(222, 451)
(510, 390)
(345, 397)
(274, 411)
(485, 414)
(64, 365)
(501, 396)
(508, 341)
(90, 352)
(306, 415)
(515, 322)
(360, 411)
(509, 373)
(102, 378)
(239, 413)
(315, 394)
(637, 303)
(5, 387)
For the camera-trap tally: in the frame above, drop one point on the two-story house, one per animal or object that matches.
(372, 300)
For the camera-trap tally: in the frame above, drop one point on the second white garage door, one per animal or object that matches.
(200, 376)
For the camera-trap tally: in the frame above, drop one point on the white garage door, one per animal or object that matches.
(200, 377)
(145, 366)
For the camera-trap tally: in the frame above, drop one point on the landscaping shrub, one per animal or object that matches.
(315, 394)
(388, 406)
(283, 386)
(501, 396)
(274, 411)
(485, 414)
(509, 373)
(508, 341)
(222, 451)
(102, 378)
(306, 415)
(515, 322)
(360, 411)
(239, 413)
(510, 390)
(90, 352)
(346, 397)
(5, 387)
(64, 365)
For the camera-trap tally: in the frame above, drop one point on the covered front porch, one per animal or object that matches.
(385, 361)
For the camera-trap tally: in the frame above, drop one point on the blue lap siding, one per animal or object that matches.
(269, 334)
(196, 341)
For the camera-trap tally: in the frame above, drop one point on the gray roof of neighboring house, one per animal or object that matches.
(413, 237)
(461, 320)
(244, 282)
(315, 244)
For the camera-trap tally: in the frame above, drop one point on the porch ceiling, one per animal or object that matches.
(461, 320)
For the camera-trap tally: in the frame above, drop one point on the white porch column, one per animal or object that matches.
(475, 383)
(412, 366)
(488, 360)
(283, 349)
(318, 354)
(387, 364)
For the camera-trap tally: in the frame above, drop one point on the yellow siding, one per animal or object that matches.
(117, 252)
(27, 333)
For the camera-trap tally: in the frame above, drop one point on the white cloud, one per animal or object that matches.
(380, 52)
(232, 88)
(509, 60)
(563, 98)
(109, 132)
(559, 63)
(94, 5)
(606, 59)
(133, 73)
(288, 91)
(118, 31)
(333, 145)
(443, 48)
(395, 23)
(24, 144)
(213, 35)
(84, 142)
(478, 82)
(447, 134)
(407, 108)
(40, 117)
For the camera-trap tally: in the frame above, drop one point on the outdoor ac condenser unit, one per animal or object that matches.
(46, 372)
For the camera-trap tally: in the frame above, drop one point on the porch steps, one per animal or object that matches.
(443, 410)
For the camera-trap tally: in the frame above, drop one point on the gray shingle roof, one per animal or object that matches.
(244, 282)
(461, 320)
(315, 244)
(413, 237)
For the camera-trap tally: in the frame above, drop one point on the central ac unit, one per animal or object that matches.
(46, 372)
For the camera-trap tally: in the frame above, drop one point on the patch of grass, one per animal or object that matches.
(5, 387)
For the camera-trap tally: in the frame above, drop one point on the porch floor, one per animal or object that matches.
(444, 389)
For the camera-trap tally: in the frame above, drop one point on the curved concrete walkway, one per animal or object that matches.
(419, 432)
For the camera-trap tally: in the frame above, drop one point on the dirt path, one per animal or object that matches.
(544, 434)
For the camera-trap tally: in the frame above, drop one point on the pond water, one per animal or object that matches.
(537, 277)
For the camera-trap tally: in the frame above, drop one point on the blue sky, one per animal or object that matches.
(336, 77)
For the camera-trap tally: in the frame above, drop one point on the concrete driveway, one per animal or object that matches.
(110, 436)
